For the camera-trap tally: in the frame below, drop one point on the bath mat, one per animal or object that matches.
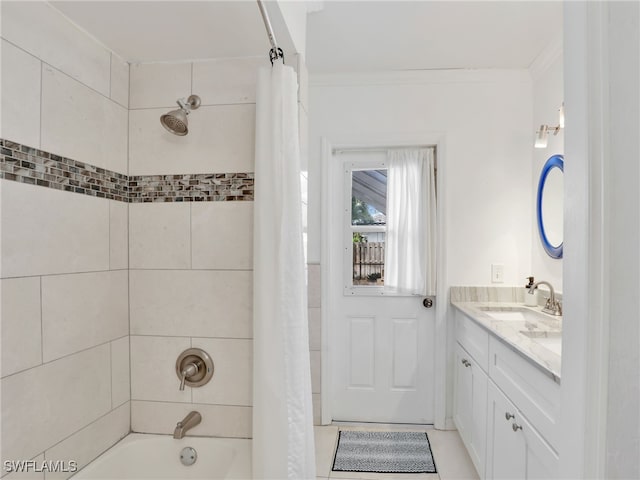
(383, 452)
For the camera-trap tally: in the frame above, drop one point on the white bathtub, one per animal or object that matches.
(140, 456)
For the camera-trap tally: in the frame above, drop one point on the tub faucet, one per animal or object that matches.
(553, 307)
(191, 420)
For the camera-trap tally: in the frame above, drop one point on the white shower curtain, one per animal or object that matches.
(283, 444)
(410, 250)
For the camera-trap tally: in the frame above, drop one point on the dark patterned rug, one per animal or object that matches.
(383, 452)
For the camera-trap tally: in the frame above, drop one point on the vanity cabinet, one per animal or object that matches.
(505, 409)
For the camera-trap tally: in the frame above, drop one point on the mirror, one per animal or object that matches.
(550, 206)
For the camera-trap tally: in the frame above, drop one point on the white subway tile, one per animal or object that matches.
(315, 328)
(82, 310)
(120, 371)
(21, 327)
(217, 420)
(153, 368)
(222, 235)
(44, 32)
(119, 80)
(47, 231)
(317, 408)
(314, 283)
(20, 96)
(193, 303)
(118, 235)
(159, 84)
(159, 235)
(221, 139)
(87, 444)
(27, 475)
(232, 381)
(81, 124)
(228, 80)
(46, 404)
(315, 371)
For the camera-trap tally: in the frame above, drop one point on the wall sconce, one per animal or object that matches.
(542, 135)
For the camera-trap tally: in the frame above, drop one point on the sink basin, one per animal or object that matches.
(550, 340)
(514, 314)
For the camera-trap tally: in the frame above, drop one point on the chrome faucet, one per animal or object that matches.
(191, 420)
(553, 307)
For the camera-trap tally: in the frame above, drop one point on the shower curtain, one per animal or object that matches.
(283, 444)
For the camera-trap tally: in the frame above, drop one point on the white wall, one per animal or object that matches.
(65, 321)
(623, 414)
(548, 95)
(485, 120)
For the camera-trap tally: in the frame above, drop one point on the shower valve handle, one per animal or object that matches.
(189, 371)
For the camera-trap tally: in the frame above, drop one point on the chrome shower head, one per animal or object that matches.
(176, 121)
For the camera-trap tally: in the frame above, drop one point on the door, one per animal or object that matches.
(381, 343)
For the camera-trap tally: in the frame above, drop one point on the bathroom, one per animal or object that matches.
(101, 294)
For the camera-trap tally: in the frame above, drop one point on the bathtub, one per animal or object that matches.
(140, 456)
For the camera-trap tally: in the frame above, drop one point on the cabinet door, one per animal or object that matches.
(463, 393)
(506, 449)
(470, 406)
(515, 450)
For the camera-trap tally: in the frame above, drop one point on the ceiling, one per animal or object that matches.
(150, 31)
(398, 35)
(341, 37)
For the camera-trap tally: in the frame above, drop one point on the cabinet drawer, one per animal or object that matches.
(536, 395)
(474, 339)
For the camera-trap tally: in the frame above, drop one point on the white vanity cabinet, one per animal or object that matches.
(505, 408)
(470, 389)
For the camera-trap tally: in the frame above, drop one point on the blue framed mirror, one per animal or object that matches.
(550, 206)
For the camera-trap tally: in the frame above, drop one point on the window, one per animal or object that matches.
(368, 226)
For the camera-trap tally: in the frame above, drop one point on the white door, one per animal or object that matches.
(381, 345)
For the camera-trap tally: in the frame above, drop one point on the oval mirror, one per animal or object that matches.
(550, 206)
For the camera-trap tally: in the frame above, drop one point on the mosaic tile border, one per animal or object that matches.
(24, 164)
(191, 188)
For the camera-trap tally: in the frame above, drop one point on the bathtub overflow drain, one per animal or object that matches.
(188, 456)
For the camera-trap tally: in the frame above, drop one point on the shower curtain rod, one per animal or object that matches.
(275, 52)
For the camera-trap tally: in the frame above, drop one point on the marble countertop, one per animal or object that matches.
(546, 356)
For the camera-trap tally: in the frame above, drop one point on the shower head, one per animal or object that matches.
(176, 121)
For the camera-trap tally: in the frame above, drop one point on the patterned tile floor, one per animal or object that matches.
(451, 458)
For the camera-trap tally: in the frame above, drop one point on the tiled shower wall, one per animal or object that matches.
(65, 321)
(191, 281)
(191, 262)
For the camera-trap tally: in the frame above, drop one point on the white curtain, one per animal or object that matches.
(410, 250)
(283, 446)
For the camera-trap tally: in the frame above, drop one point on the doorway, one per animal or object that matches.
(382, 340)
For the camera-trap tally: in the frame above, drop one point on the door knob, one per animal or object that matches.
(427, 303)
(516, 427)
(509, 416)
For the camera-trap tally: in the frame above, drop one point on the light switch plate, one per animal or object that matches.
(497, 273)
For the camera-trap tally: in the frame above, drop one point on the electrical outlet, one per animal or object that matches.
(497, 273)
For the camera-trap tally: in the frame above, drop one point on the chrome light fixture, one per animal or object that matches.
(176, 121)
(542, 135)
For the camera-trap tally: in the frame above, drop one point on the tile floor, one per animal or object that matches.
(449, 454)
